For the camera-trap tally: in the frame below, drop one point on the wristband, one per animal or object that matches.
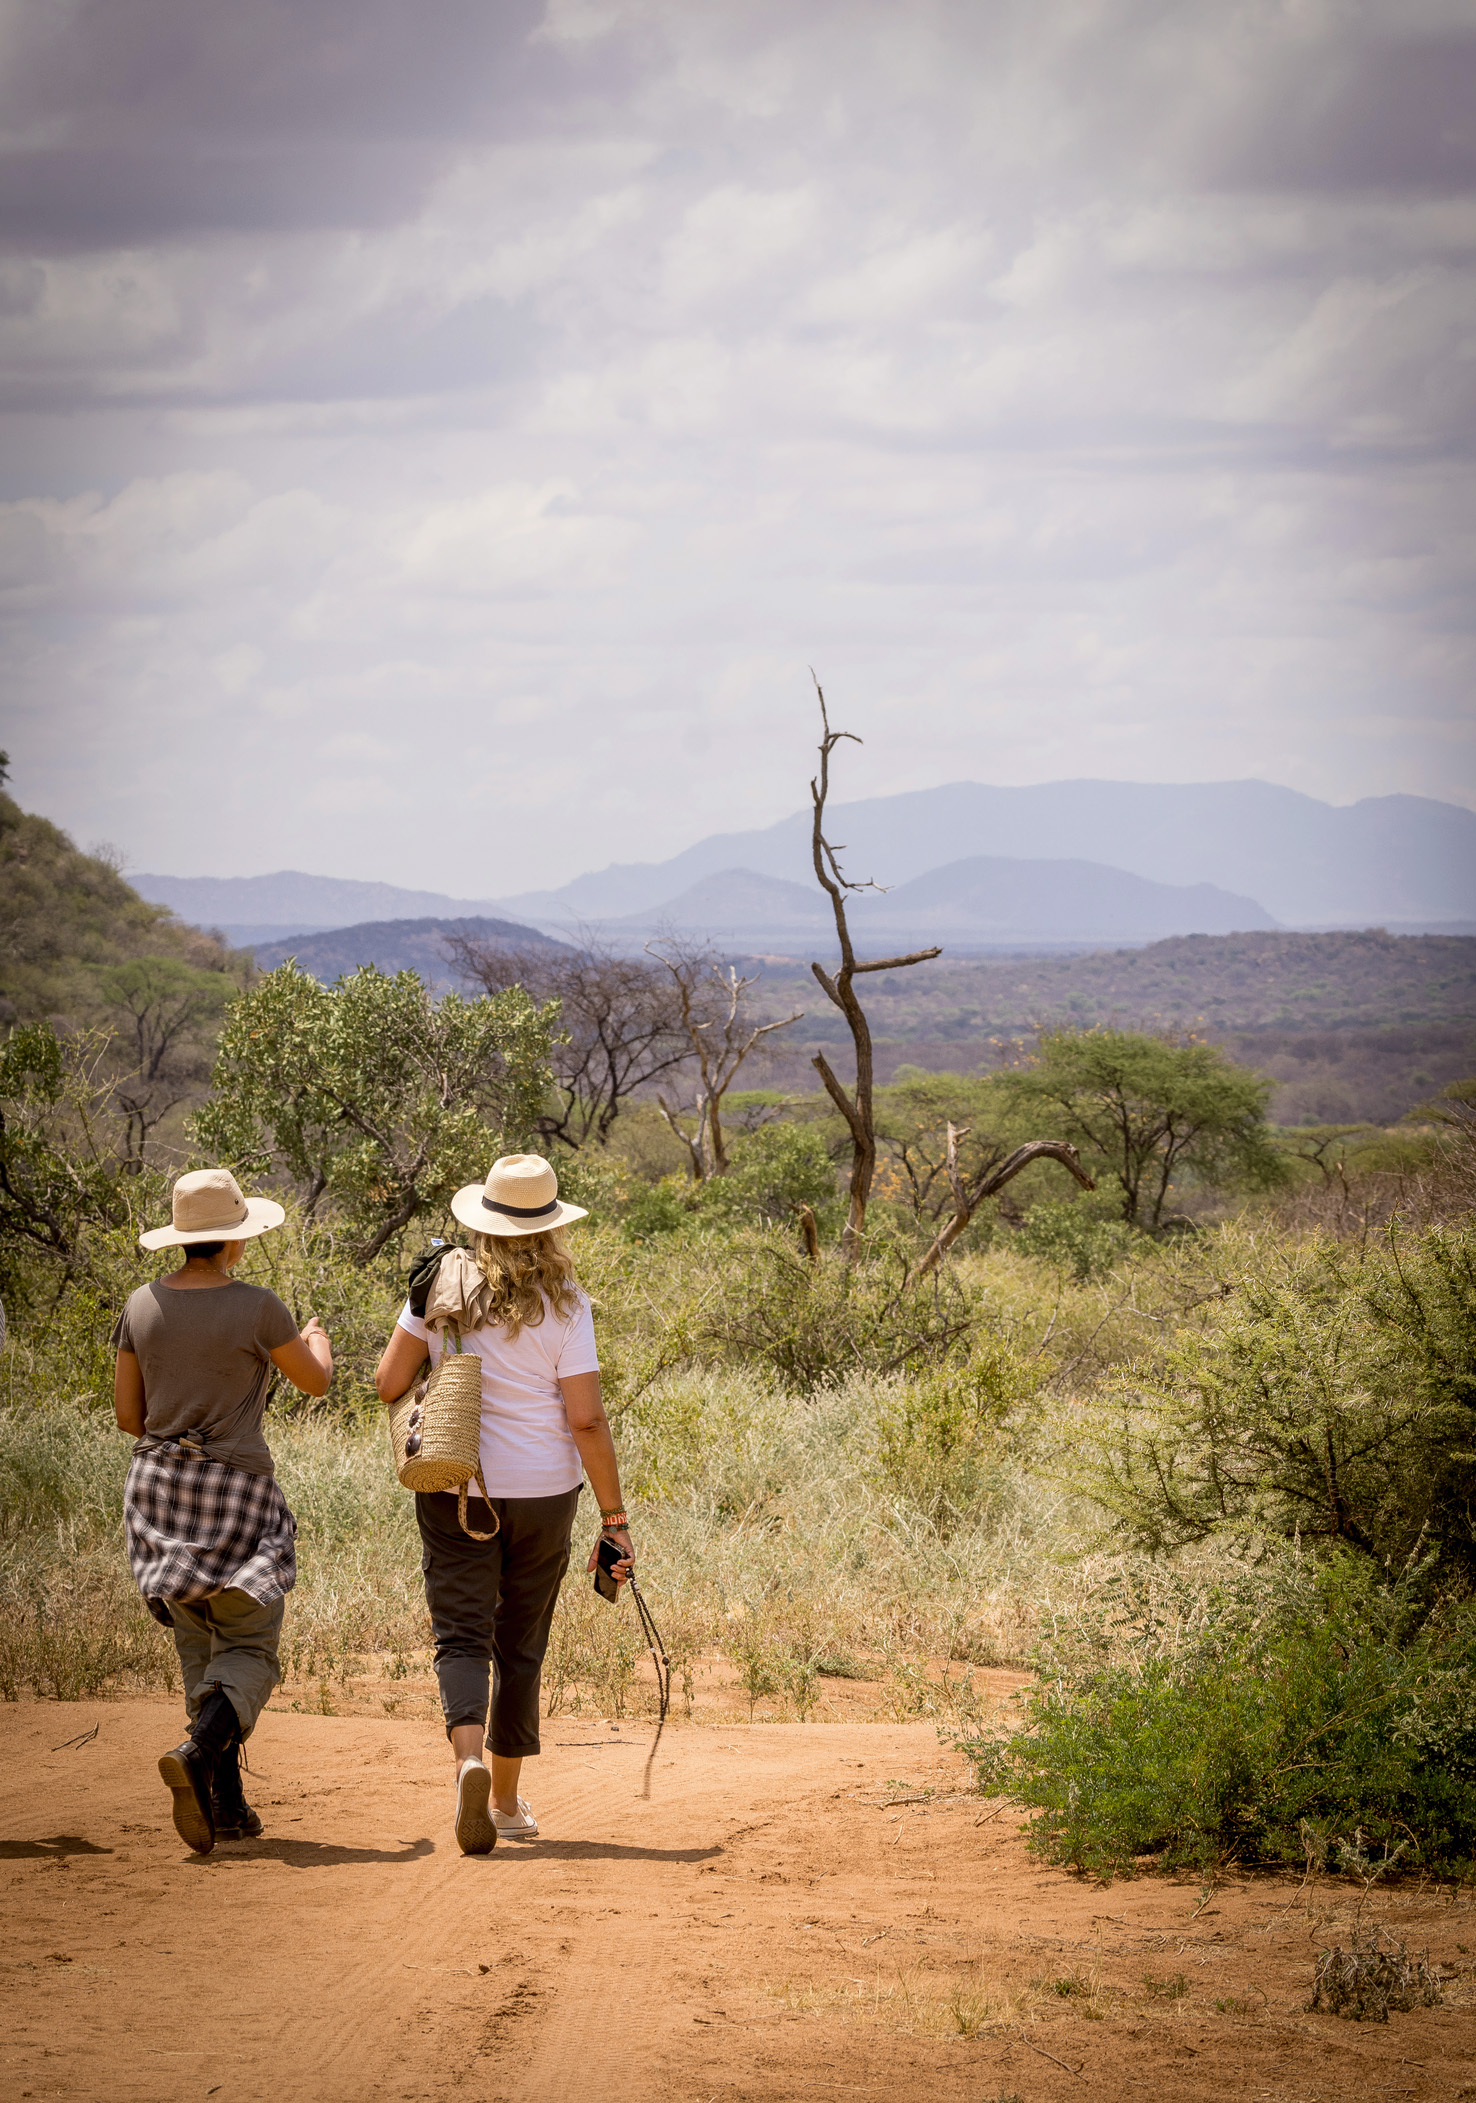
(611, 1522)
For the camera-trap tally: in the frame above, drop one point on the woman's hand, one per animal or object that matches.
(308, 1360)
(620, 1535)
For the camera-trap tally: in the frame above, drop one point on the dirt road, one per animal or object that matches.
(800, 1910)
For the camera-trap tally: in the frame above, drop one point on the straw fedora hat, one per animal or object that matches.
(208, 1206)
(520, 1196)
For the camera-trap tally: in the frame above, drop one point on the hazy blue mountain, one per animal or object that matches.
(984, 900)
(251, 909)
(735, 901)
(1397, 861)
(1389, 859)
(988, 898)
(396, 945)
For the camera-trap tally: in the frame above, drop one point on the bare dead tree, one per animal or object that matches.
(622, 1022)
(856, 1107)
(710, 997)
(968, 1197)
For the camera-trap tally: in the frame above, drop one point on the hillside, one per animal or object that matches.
(1349, 1026)
(68, 918)
(397, 945)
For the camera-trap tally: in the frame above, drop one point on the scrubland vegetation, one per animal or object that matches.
(1196, 1448)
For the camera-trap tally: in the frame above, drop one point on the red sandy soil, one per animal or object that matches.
(790, 1915)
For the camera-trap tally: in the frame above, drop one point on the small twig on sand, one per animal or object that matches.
(82, 1738)
(1074, 2071)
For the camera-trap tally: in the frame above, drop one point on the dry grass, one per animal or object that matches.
(768, 1554)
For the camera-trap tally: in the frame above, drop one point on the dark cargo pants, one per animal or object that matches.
(491, 1605)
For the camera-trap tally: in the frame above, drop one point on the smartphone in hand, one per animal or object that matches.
(608, 1554)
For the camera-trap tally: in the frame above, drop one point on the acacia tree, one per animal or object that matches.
(932, 1129)
(1149, 1109)
(710, 1002)
(373, 1095)
(946, 1169)
(59, 1171)
(621, 1025)
(166, 1011)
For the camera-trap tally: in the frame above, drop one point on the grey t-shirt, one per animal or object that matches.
(205, 1360)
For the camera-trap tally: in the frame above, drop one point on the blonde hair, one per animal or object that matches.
(524, 1271)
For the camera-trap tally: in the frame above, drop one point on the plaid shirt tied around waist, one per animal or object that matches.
(195, 1526)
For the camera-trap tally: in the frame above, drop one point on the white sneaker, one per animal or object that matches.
(515, 1825)
(475, 1832)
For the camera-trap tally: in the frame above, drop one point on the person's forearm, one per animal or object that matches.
(129, 1407)
(597, 1451)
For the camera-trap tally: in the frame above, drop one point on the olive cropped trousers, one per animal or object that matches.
(491, 1606)
(228, 1641)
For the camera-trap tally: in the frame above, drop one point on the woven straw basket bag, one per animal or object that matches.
(436, 1430)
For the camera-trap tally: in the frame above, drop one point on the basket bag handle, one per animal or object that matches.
(453, 1343)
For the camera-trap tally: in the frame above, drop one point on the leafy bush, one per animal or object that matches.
(941, 1439)
(657, 1208)
(1333, 1397)
(1302, 1713)
(61, 1181)
(812, 1325)
(1072, 1238)
(774, 1171)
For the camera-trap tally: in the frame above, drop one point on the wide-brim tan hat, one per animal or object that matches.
(520, 1196)
(208, 1206)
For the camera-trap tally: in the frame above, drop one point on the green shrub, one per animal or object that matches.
(774, 1171)
(657, 1208)
(1312, 1712)
(1332, 1397)
(941, 1439)
(1073, 1239)
(812, 1325)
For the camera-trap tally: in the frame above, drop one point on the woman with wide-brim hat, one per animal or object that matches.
(210, 1538)
(492, 1585)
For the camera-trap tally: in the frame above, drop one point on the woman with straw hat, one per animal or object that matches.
(210, 1538)
(491, 1587)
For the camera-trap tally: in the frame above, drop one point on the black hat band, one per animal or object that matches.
(522, 1211)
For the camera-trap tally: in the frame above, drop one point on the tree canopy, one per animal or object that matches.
(1145, 1110)
(373, 1093)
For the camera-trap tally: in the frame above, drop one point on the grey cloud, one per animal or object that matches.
(1395, 115)
(125, 121)
(571, 385)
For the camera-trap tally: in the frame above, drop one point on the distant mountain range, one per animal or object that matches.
(1401, 859)
(397, 945)
(253, 909)
(974, 866)
(984, 900)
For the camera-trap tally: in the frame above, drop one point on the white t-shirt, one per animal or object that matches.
(527, 1450)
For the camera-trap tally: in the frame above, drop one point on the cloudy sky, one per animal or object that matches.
(438, 434)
